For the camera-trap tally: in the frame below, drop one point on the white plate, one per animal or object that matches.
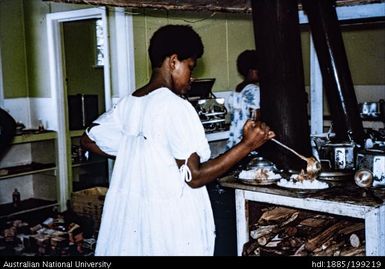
(305, 185)
(259, 182)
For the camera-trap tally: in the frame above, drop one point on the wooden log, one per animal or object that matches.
(263, 240)
(276, 215)
(315, 222)
(301, 251)
(353, 252)
(288, 231)
(356, 239)
(249, 247)
(263, 230)
(357, 226)
(272, 252)
(318, 240)
(332, 250)
(325, 245)
(269, 240)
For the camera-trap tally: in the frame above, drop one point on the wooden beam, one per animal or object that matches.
(188, 5)
(234, 6)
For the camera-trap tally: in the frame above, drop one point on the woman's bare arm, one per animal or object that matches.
(255, 135)
(91, 146)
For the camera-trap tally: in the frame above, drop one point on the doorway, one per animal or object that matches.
(58, 78)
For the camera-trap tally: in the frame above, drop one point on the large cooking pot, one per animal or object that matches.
(338, 156)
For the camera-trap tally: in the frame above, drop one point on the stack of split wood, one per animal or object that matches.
(286, 231)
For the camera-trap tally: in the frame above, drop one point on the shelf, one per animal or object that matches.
(348, 200)
(76, 133)
(27, 205)
(23, 170)
(78, 164)
(34, 137)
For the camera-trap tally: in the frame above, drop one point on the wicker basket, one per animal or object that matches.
(89, 203)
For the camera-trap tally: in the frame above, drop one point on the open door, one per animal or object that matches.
(58, 78)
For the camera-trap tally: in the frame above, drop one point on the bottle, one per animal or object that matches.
(40, 126)
(16, 198)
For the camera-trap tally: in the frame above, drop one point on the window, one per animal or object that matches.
(99, 43)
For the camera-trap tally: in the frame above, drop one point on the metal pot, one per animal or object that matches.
(373, 161)
(337, 156)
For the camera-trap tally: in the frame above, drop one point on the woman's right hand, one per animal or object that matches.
(256, 133)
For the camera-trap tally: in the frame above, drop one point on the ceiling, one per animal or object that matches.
(194, 5)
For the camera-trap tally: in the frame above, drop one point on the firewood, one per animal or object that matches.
(249, 248)
(276, 215)
(301, 251)
(318, 240)
(272, 252)
(352, 228)
(332, 248)
(267, 239)
(356, 239)
(274, 242)
(354, 252)
(257, 252)
(317, 221)
(262, 230)
(290, 219)
(290, 231)
(325, 245)
(263, 240)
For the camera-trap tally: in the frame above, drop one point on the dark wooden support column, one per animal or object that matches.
(335, 71)
(283, 96)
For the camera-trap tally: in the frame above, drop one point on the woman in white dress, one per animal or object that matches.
(157, 203)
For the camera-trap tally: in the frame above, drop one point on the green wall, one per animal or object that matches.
(224, 37)
(23, 37)
(13, 50)
(365, 50)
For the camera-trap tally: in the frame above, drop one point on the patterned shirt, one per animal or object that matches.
(239, 104)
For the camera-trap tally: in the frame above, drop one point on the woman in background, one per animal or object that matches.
(243, 103)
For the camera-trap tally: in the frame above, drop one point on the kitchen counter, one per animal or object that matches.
(349, 200)
(215, 136)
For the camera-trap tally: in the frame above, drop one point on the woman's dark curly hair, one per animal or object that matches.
(174, 39)
(247, 60)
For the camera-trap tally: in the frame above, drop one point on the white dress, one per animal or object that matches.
(239, 104)
(149, 209)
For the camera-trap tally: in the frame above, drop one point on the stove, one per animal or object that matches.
(211, 110)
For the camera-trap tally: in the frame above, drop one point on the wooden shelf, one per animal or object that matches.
(34, 137)
(27, 205)
(30, 169)
(79, 164)
(76, 133)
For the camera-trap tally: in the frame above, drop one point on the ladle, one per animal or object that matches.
(313, 166)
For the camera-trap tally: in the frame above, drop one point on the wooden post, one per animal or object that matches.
(283, 96)
(335, 71)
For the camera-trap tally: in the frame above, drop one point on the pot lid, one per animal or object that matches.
(260, 162)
